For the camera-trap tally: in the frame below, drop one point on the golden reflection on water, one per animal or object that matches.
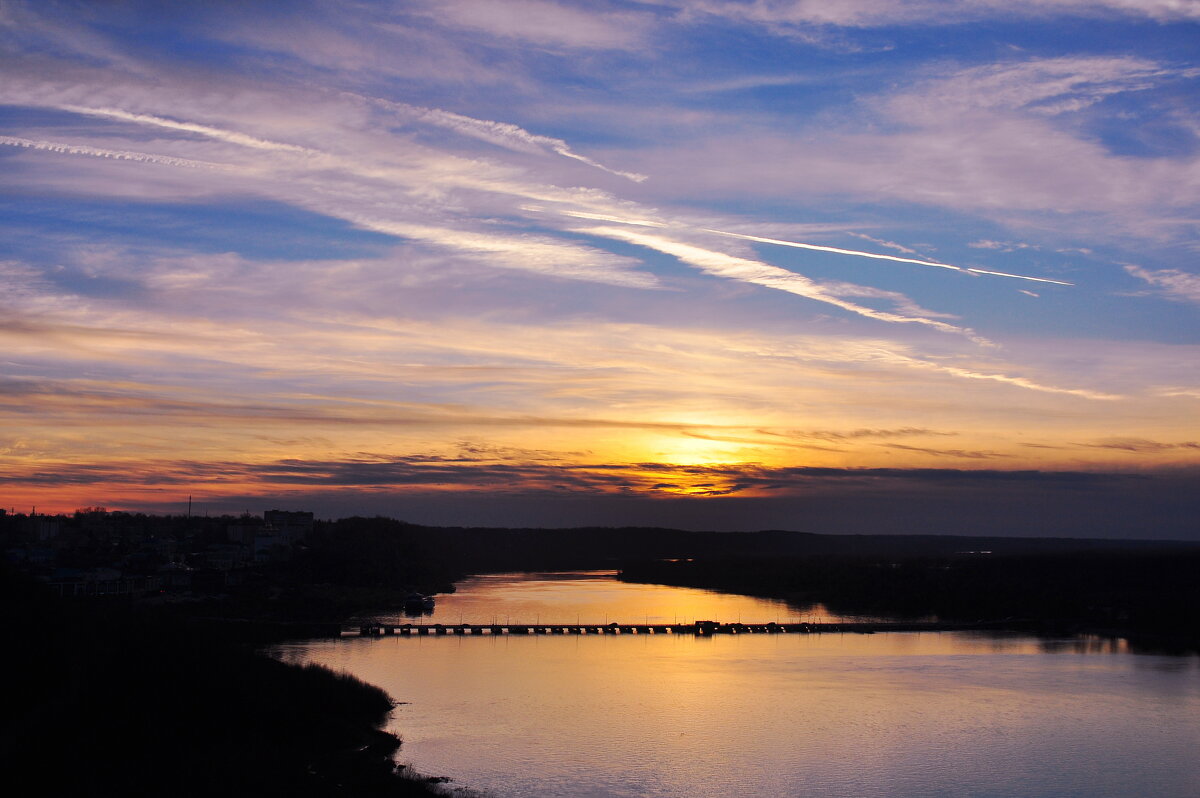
(1087, 644)
(901, 715)
(595, 597)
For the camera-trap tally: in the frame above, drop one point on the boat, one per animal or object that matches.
(416, 602)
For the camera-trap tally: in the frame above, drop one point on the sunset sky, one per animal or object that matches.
(531, 262)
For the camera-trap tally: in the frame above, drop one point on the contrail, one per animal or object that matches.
(230, 136)
(758, 273)
(1017, 276)
(896, 258)
(120, 155)
(603, 217)
(566, 152)
(504, 134)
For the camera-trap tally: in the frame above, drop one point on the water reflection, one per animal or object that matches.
(830, 715)
(1087, 644)
(596, 597)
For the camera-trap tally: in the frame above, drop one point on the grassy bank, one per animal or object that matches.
(110, 700)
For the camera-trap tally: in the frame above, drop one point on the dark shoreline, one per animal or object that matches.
(165, 691)
(109, 698)
(1149, 598)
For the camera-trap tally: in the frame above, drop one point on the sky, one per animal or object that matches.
(850, 267)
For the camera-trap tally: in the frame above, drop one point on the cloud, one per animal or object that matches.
(419, 472)
(233, 137)
(784, 16)
(603, 217)
(1171, 283)
(119, 155)
(759, 273)
(1039, 86)
(503, 134)
(544, 22)
(955, 453)
(889, 244)
(133, 346)
(844, 435)
(749, 82)
(792, 438)
(540, 254)
(837, 250)
(1001, 246)
(970, 139)
(524, 251)
(760, 441)
(901, 302)
(1141, 445)
(1026, 383)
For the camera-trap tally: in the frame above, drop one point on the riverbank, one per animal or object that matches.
(1150, 598)
(685, 716)
(108, 699)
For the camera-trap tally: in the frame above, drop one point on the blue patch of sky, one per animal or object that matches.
(16, 117)
(1097, 306)
(253, 229)
(910, 222)
(1149, 125)
(989, 41)
(886, 56)
(174, 44)
(175, 32)
(77, 282)
(718, 61)
(829, 78)
(70, 127)
(1113, 36)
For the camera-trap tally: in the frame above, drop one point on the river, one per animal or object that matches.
(901, 715)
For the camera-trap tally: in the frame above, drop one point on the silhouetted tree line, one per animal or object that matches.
(382, 551)
(138, 698)
(1143, 591)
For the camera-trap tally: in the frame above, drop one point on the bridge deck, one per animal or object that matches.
(700, 628)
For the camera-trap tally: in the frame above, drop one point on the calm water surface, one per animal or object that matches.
(826, 716)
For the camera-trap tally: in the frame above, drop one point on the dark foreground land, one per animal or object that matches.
(105, 698)
(160, 689)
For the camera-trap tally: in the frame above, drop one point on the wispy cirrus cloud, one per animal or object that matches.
(488, 265)
(545, 22)
(1141, 445)
(782, 14)
(527, 252)
(759, 273)
(1009, 139)
(504, 134)
(889, 244)
(960, 454)
(1170, 283)
(855, 434)
(1038, 86)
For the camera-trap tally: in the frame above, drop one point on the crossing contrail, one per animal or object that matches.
(96, 152)
(896, 258)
